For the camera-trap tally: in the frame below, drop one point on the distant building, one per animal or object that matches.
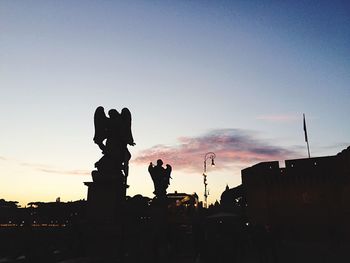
(183, 199)
(232, 199)
(181, 207)
(306, 196)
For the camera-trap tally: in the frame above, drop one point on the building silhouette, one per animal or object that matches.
(308, 198)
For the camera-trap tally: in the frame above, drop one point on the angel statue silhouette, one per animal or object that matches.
(113, 135)
(161, 177)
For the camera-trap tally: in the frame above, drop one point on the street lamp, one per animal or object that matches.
(211, 156)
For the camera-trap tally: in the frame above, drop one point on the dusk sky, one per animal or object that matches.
(231, 77)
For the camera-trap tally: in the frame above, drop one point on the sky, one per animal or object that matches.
(230, 77)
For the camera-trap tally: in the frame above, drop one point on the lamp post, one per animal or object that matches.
(211, 156)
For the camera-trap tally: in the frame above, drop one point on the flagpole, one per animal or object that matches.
(308, 149)
(306, 138)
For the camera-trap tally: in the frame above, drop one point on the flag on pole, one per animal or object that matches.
(305, 132)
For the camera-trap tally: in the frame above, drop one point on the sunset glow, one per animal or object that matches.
(230, 77)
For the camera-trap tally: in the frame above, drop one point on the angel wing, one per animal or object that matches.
(126, 119)
(168, 170)
(100, 122)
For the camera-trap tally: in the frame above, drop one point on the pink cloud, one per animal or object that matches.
(57, 171)
(50, 169)
(233, 148)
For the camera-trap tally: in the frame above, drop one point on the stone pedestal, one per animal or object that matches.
(105, 219)
(105, 201)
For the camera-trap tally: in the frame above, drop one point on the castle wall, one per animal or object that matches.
(306, 196)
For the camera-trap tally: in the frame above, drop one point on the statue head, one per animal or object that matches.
(159, 162)
(113, 114)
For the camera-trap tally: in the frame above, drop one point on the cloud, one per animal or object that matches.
(280, 118)
(57, 171)
(233, 148)
(45, 168)
(50, 169)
